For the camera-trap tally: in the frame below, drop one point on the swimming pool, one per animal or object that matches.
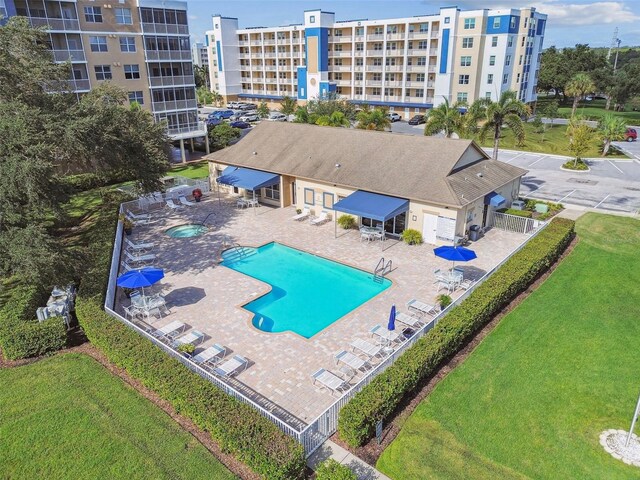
(187, 231)
(308, 293)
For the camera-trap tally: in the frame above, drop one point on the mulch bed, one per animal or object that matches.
(371, 451)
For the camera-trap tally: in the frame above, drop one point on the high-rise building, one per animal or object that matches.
(406, 64)
(141, 45)
(200, 54)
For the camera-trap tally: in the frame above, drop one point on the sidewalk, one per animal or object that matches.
(329, 449)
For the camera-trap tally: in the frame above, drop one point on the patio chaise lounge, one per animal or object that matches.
(170, 330)
(331, 381)
(149, 257)
(210, 356)
(139, 247)
(421, 307)
(138, 216)
(351, 361)
(193, 337)
(172, 205)
(138, 219)
(302, 215)
(408, 320)
(366, 348)
(232, 366)
(320, 219)
(184, 201)
(385, 336)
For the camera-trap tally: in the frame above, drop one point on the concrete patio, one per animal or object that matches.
(208, 297)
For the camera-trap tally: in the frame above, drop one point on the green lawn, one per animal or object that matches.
(533, 398)
(593, 110)
(68, 417)
(191, 170)
(553, 141)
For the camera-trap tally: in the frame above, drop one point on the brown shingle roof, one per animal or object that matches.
(407, 166)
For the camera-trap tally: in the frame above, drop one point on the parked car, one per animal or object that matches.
(394, 117)
(277, 117)
(247, 106)
(233, 105)
(222, 114)
(250, 117)
(213, 121)
(417, 120)
(631, 135)
(240, 124)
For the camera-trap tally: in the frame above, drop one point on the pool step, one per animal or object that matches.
(238, 253)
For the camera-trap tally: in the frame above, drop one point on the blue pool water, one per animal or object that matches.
(187, 231)
(308, 292)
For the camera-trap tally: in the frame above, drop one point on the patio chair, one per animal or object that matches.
(210, 356)
(302, 215)
(408, 320)
(146, 258)
(170, 330)
(350, 360)
(421, 308)
(331, 381)
(137, 216)
(184, 201)
(131, 311)
(139, 247)
(365, 348)
(320, 219)
(231, 367)
(169, 202)
(194, 337)
(466, 284)
(241, 203)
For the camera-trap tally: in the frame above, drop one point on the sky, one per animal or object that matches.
(569, 22)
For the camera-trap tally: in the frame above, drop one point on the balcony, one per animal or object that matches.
(82, 85)
(359, 68)
(373, 98)
(432, 68)
(359, 38)
(272, 68)
(374, 68)
(391, 98)
(244, 55)
(68, 55)
(168, 55)
(343, 82)
(435, 34)
(358, 83)
(393, 83)
(243, 43)
(433, 51)
(374, 83)
(418, 52)
(270, 80)
(375, 53)
(374, 37)
(165, 28)
(340, 53)
(269, 54)
(55, 23)
(431, 84)
(341, 39)
(340, 68)
(179, 80)
(395, 52)
(418, 35)
(359, 53)
(409, 99)
(395, 36)
(174, 105)
(269, 41)
(188, 131)
(394, 68)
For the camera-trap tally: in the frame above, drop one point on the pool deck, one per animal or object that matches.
(208, 297)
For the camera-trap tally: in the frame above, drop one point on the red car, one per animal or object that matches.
(630, 135)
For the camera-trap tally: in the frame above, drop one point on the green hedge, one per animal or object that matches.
(519, 213)
(332, 470)
(88, 181)
(382, 396)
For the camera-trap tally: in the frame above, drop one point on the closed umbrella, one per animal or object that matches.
(392, 319)
(455, 254)
(140, 278)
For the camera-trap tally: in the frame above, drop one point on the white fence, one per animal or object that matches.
(514, 223)
(315, 433)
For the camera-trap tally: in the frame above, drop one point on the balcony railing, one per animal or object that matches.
(419, 52)
(55, 23)
(374, 83)
(409, 99)
(435, 34)
(374, 68)
(340, 53)
(267, 41)
(165, 28)
(80, 85)
(341, 39)
(392, 83)
(375, 53)
(168, 55)
(272, 68)
(198, 129)
(244, 55)
(432, 68)
(391, 98)
(418, 35)
(174, 105)
(269, 54)
(343, 82)
(373, 98)
(395, 52)
(68, 55)
(416, 68)
(340, 68)
(178, 80)
(393, 68)
(359, 53)
(433, 51)
(395, 36)
(270, 80)
(243, 43)
(378, 36)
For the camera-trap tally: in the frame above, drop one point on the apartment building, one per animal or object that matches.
(141, 45)
(406, 64)
(200, 54)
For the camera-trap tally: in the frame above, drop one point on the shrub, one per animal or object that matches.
(187, 348)
(444, 301)
(575, 165)
(412, 237)
(382, 396)
(347, 222)
(87, 181)
(332, 470)
(519, 213)
(33, 338)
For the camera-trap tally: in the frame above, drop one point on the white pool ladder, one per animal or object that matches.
(382, 269)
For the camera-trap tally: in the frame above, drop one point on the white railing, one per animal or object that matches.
(514, 223)
(178, 55)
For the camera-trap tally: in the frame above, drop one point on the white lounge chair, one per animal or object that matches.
(368, 349)
(137, 216)
(302, 215)
(320, 219)
(169, 202)
(184, 201)
(170, 330)
(385, 336)
(330, 380)
(210, 356)
(139, 219)
(421, 307)
(149, 257)
(351, 361)
(194, 337)
(138, 247)
(232, 366)
(408, 320)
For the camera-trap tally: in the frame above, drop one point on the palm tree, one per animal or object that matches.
(216, 98)
(336, 119)
(445, 118)
(288, 105)
(611, 129)
(506, 112)
(375, 119)
(578, 87)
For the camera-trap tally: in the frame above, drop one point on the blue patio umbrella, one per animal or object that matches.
(392, 319)
(455, 254)
(140, 278)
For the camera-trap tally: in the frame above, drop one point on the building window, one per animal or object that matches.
(423, 45)
(496, 22)
(359, 62)
(127, 44)
(103, 72)
(467, 42)
(272, 192)
(520, 60)
(358, 90)
(447, 20)
(422, 61)
(98, 44)
(359, 47)
(424, 27)
(376, 77)
(131, 72)
(309, 196)
(377, 91)
(123, 16)
(465, 61)
(93, 14)
(510, 42)
(469, 23)
(513, 22)
(462, 97)
(487, 95)
(518, 78)
(419, 77)
(490, 78)
(3, 9)
(377, 62)
(523, 40)
(492, 60)
(312, 19)
(136, 97)
(463, 80)
(378, 31)
(419, 92)
(338, 47)
(327, 200)
(505, 78)
(494, 41)
(507, 60)
(359, 31)
(336, 76)
(359, 76)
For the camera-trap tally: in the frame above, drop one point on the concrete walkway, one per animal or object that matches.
(329, 449)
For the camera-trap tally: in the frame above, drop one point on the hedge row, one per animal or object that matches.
(382, 396)
(88, 181)
(238, 428)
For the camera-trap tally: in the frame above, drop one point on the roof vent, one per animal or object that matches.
(479, 175)
(338, 165)
(255, 153)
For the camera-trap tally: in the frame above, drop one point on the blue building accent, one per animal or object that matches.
(392, 104)
(504, 25)
(323, 46)
(302, 83)
(540, 27)
(444, 51)
(218, 51)
(260, 97)
(325, 88)
(11, 11)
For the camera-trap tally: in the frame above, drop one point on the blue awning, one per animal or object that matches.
(372, 205)
(247, 178)
(494, 199)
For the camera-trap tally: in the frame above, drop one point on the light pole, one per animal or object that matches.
(615, 62)
(633, 422)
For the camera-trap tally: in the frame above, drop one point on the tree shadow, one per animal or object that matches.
(185, 296)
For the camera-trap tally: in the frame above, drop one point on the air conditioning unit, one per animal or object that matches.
(117, 64)
(112, 35)
(107, 6)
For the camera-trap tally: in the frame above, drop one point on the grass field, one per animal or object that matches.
(191, 170)
(68, 417)
(533, 398)
(593, 110)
